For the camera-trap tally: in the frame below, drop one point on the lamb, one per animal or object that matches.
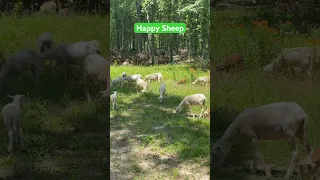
(275, 121)
(313, 163)
(113, 98)
(204, 80)
(141, 84)
(48, 6)
(12, 120)
(233, 61)
(193, 100)
(162, 91)
(73, 53)
(97, 69)
(295, 58)
(27, 59)
(151, 77)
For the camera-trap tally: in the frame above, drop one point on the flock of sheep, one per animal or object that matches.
(275, 121)
(85, 54)
(143, 85)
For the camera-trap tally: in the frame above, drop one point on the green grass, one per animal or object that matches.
(65, 135)
(180, 149)
(251, 87)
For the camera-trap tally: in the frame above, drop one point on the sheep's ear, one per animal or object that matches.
(9, 96)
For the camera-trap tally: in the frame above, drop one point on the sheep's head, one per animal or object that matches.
(18, 98)
(160, 99)
(218, 154)
(178, 110)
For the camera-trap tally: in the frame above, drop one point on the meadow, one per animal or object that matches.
(65, 136)
(149, 141)
(237, 31)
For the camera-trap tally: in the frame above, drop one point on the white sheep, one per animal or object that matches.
(48, 6)
(193, 100)
(160, 77)
(72, 53)
(162, 91)
(97, 69)
(141, 84)
(12, 120)
(298, 58)
(204, 80)
(126, 63)
(151, 77)
(113, 98)
(27, 59)
(275, 121)
(132, 77)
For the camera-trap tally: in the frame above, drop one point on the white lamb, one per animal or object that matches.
(132, 77)
(151, 77)
(12, 120)
(275, 121)
(113, 98)
(162, 91)
(193, 100)
(27, 59)
(204, 80)
(141, 84)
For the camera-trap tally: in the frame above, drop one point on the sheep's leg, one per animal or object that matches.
(294, 155)
(190, 109)
(201, 113)
(259, 157)
(10, 135)
(21, 137)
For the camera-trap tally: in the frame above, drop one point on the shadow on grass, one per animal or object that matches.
(173, 138)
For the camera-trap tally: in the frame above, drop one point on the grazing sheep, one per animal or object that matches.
(193, 100)
(204, 80)
(141, 84)
(309, 166)
(233, 61)
(26, 59)
(113, 98)
(126, 63)
(97, 69)
(295, 58)
(275, 121)
(116, 81)
(124, 74)
(151, 77)
(73, 53)
(162, 91)
(12, 120)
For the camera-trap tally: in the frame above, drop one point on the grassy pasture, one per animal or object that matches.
(65, 136)
(148, 141)
(231, 32)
